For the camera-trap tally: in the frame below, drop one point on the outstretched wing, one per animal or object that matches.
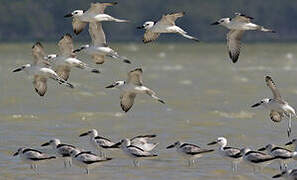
(135, 77)
(97, 34)
(149, 36)
(40, 85)
(66, 45)
(78, 26)
(38, 53)
(63, 72)
(233, 44)
(127, 100)
(98, 8)
(169, 19)
(272, 86)
(242, 18)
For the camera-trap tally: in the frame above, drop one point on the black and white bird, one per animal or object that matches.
(256, 158)
(281, 153)
(189, 151)
(40, 72)
(232, 153)
(66, 59)
(237, 26)
(87, 159)
(278, 107)
(98, 142)
(165, 25)
(288, 174)
(131, 88)
(135, 152)
(142, 142)
(94, 14)
(99, 48)
(32, 156)
(62, 150)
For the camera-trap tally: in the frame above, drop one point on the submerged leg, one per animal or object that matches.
(289, 125)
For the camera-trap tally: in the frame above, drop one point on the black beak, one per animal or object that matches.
(255, 105)
(140, 27)
(110, 86)
(289, 143)
(170, 146)
(215, 23)
(116, 145)
(45, 144)
(277, 176)
(17, 69)
(84, 134)
(212, 143)
(68, 15)
(15, 154)
(262, 149)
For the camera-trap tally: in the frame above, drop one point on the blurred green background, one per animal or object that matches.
(31, 20)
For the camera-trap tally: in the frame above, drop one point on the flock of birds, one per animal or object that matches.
(58, 66)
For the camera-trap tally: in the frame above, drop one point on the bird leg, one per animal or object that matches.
(289, 130)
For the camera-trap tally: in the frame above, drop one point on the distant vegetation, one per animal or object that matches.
(31, 20)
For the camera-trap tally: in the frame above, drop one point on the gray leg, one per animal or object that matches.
(65, 163)
(289, 125)
(87, 171)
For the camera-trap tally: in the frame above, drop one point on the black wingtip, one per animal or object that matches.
(95, 71)
(127, 61)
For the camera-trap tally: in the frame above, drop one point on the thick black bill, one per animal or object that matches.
(255, 105)
(212, 143)
(127, 61)
(84, 134)
(215, 23)
(277, 176)
(110, 86)
(17, 69)
(171, 146)
(116, 145)
(262, 149)
(45, 144)
(15, 154)
(140, 27)
(68, 15)
(289, 143)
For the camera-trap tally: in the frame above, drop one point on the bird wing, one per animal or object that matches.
(233, 44)
(127, 100)
(98, 8)
(272, 86)
(40, 84)
(78, 25)
(98, 59)
(242, 18)
(38, 53)
(97, 34)
(276, 116)
(232, 151)
(135, 77)
(66, 45)
(149, 36)
(169, 19)
(63, 72)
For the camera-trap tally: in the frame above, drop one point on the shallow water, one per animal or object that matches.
(207, 96)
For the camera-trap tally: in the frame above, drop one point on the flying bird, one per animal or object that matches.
(237, 26)
(165, 25)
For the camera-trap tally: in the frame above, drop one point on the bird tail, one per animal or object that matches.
(121, 20)
(189, 37)
(122, 58)
(263, 29)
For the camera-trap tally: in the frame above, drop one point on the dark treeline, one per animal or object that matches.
(30, 20)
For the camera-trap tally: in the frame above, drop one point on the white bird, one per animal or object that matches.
(237, 26)
(229, 152)
(99, 142)
(32, 156)
(94, 14)
(40, 73)
(66, 59)
(61, 149)
(135, 152)
(131, 87)
(281, 153)
(189, 151)
(99, 48)
(165, 25)
(290, 174)
(256, 158)
(278, 107)
(86, 159)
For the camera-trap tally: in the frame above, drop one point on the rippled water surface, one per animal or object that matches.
(207, 96)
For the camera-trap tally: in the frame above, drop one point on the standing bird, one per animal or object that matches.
(135, 152)
(32, 156)
(99, 48)
(232, 153)
(131, 87)
(41, 73)
(165, 25)
(278, 107)
(67, 59)
(290, 174)
(94, 14)
(189, 151)
(237, 26)
(281, 153)
(61, 149)
(86, 159)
